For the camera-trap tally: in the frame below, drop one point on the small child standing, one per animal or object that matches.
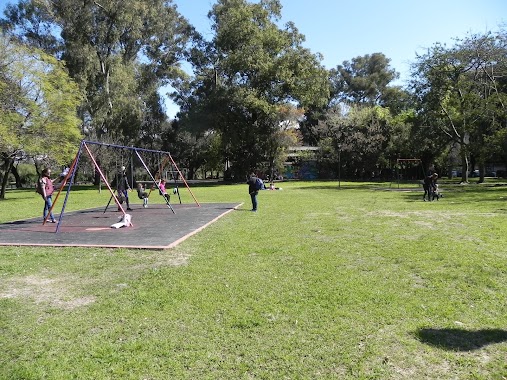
(437, 193)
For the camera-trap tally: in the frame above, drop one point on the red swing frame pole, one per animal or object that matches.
(104, 179)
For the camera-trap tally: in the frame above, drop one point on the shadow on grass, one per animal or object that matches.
(460, 339)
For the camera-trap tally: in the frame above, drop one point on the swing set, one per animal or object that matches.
(155, 179)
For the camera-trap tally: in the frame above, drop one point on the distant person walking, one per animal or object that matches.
(46, 191)
(429, 186)
(434, 187)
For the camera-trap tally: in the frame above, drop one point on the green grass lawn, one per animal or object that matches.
(362, 282)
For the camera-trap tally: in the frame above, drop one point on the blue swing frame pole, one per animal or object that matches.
(71, 173)
(61, 185)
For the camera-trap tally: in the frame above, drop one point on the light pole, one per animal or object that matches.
(339, 166)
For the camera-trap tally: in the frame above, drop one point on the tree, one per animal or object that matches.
(358, 122)
(192, 151)
(38, 104)
(363, 80)
(244, 74)
(459, 93)
(119, 52)
(33, 25)
(288, 118)
(360, 137)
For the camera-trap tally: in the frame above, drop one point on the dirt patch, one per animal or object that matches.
(424, 224)
(43, 290)
(65, 291)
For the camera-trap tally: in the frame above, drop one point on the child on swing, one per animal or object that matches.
(163, 190)
(142, 194)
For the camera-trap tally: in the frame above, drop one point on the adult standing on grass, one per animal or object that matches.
(429, 186)
(434, 186)
(46, 191)
(252, 190)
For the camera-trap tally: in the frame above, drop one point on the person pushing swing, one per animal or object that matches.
(122, 187)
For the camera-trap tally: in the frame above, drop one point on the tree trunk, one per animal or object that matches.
(482, 171)
(472, 164)
(97, 179)
(465, 155)
(8, 161)
(464, 168)
(14, 171)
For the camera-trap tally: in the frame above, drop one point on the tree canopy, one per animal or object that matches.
(461, 93)
(38, 103)
(119, 52)
(253, 89)
(364, 79)
(248, 73)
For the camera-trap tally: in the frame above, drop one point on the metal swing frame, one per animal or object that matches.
(84, 146)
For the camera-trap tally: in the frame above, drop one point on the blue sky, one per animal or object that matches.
(341, 30)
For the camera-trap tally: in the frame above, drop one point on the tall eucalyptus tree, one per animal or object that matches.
(119, 51)
(245, 77)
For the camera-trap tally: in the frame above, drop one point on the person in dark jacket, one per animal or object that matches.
(122, 186)
(252, 190)
(429, 186)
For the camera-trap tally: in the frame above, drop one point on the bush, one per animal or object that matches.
(27, 174)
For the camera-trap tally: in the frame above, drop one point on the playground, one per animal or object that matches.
(155, 227)
(151, 226)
